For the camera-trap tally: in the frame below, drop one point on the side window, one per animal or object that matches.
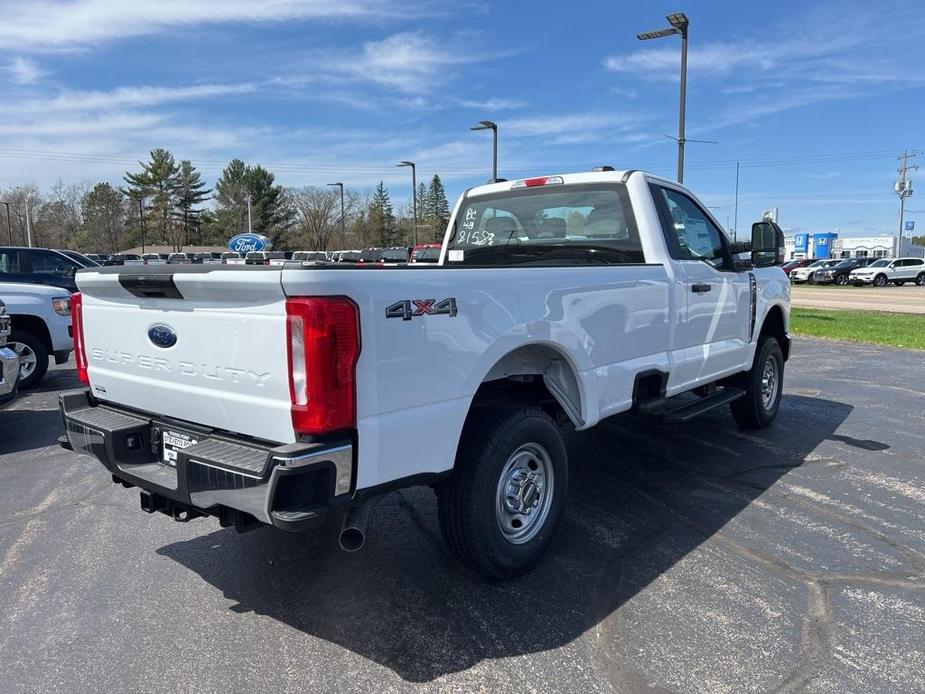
(696, 236)
(46, 263)
(9, 263)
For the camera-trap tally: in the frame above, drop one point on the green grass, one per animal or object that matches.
(894, 329)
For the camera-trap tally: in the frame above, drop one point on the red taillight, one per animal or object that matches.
(77, 327)
(533, 182)
(323, 336)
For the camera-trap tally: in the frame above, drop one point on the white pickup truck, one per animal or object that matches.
(282, 396)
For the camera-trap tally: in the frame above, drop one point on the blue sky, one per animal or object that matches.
(815, 99)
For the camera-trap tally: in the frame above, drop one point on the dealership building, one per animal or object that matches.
(830, 245)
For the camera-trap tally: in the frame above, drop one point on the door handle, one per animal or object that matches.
(701, 287)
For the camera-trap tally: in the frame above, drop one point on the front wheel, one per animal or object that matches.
(880, 281)
(920, 280)
(33, 357)
(502, 505)
(841, 280)
(763, 386)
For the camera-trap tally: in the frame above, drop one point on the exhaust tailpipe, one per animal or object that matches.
(353, 531)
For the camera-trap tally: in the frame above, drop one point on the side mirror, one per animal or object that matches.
(767, 244)
(741, 255)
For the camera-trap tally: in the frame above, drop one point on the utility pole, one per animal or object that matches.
(903, 188)
(9, 221)
(343, 222)
(414, 199)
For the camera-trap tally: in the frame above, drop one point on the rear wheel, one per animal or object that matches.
(33, 357)
(880, 281)
(841, 280)
(763, 385)
(920, 280)
(502, 505)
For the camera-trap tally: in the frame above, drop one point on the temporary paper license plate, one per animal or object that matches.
(171, 443)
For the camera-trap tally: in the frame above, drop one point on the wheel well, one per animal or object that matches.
(774, 326)
(534, 374)
(34, 325)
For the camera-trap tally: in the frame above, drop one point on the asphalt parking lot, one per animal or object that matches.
(906, 299)
(692, 558)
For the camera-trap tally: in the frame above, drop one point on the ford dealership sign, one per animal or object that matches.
(245, 243)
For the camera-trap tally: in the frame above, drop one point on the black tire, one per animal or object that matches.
(841, 280)
(38, 350)
(880, 281)
(753, 410)
(920, 280)
(470, 504)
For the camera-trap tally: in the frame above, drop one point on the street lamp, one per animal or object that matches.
(343, 224)
(414, 198)
(679, 25)
(141, 218)
(488, 125)
(9, 220)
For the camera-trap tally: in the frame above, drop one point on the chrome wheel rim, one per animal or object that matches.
(524, 495)
(27, 359)
(769, 378)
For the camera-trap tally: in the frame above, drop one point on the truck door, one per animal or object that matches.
(714, 338)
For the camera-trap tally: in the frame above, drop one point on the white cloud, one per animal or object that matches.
(568, 124)
(411, 62)
(47, 25)
(490, 104)
(24, 71)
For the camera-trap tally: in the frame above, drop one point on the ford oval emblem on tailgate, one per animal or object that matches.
(162, 336)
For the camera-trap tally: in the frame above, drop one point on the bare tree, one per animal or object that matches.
(318, 217)
(23, 199)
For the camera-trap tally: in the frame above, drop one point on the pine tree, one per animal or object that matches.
(104, 220)
(272, 212)
(158, 180)
(439, 207)
(382, 217)
(191, 192)
(230, 196)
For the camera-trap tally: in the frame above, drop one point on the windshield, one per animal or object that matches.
(228, 256)
(883, 262)
(572, 224)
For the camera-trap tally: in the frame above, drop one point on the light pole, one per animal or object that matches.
(9, 221)
(679, 25)
(28, 200)
(343, 223)
(141, 217)
(414, 199)
(489, 125)
(250, 227)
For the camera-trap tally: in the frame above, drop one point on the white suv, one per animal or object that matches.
(805, 274)
(885, 270)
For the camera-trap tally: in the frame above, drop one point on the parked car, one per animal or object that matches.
(277, 257)
(426, 253)
(384, 256)
(310, 256)
(9, 361)
(100, 258)
(179, 259)
(124, 259)
(41, 322)
(201, 411)
(38, 266)
(257, 258)
(794, 264)
(805, 274)
(886, 270)
(348, 256)
(231, 258)
(79, 258)
(839, 273)
(152, 259)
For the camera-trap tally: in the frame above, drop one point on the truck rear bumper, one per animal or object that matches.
(292, 487)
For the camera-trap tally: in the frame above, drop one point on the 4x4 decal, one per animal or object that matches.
(409, 308)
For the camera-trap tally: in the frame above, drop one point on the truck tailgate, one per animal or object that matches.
(205, 347)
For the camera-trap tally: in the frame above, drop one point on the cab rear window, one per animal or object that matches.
(572, 224)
